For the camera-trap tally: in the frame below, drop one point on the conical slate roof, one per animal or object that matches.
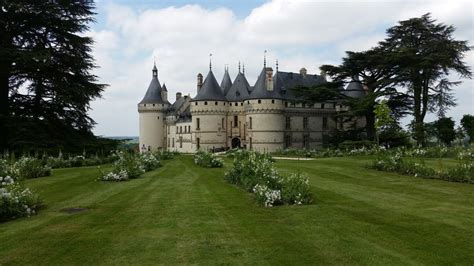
(210, 90)
(260, 91)
(354, 89)
(164, 87)
(239, 90)
(153, 93)
(226, 82)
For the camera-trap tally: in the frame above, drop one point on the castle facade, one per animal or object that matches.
(264, 117)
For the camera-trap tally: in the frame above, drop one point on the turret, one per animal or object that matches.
(152, 109)
(208, 110)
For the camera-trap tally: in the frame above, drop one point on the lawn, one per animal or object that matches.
(182, 213)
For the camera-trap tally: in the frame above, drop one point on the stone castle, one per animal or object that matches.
(264, 117)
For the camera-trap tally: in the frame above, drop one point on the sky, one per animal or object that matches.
(180, 35)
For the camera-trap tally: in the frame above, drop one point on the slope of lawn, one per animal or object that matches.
(182, 213)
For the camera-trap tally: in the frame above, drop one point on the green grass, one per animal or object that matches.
(184, 213)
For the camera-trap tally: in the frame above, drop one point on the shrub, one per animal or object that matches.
(255, 173)
(121, 175)
(207, 159)
(463, 172)
(131, 166)
(28, 167)
(149, 161)
(15, 200)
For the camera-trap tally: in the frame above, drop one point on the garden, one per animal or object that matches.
(182, 211)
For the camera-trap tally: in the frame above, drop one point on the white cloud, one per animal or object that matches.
(298, 33)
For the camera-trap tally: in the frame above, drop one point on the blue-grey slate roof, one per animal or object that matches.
(354, 89)
(210, 90)
(226, 82)
(153, 94)
(239, 90)
(260, 91)
(286, 81)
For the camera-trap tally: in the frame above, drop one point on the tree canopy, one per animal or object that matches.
(46, 83)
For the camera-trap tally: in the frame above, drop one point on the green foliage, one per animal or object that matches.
(467, 123)
(45, 50)
(256, 173)
(463, 172)
(131, 165)
(445, 130)
(15, 200)
(207, 159)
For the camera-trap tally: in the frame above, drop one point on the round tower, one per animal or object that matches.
(152, 111)
(264, 109)
(209, 115)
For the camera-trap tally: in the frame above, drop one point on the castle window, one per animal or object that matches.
(176, 130)
(168, 131)
(248, 102)
(288, 122)
(172, 143)
(250, 142)
(325, 122)
(144, 105)
(322, 106)
(223, 124)
(158, 118)
(216, 103)
(305, 122)
(273, 101)
(180, 142)
(224, 104)
(242, 104)
(197, 123)
(180, 129)
(236, 104)
(259, 101)
(236, 119)
(250, 122)
(286, 104)
(205, 103)
(153, 104)
(198, 143)
(196, 103)
(169, 141)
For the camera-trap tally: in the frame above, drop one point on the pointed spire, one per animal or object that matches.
(277, 65)
(210, 61)
(243, 68)
(154, 70)
(239, 66)
(265, 58)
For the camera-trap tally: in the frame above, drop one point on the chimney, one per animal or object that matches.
(269, 78)
(199, 81)
(303, 72)
(323, 74)
(178, 95)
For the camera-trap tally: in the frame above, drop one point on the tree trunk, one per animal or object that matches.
(419, 132)
(5, 69)
(370, 125)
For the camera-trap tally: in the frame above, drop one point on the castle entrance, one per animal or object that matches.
(235, 143)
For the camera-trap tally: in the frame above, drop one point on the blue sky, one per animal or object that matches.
(181, 34)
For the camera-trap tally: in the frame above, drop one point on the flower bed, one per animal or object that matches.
(463, 172)
(15, 200)
(256, 173)
(24, 168)
(131, 166)
(207, 159)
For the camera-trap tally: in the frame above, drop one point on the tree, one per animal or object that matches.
(373, 70)
(45, 80)
(467, 122)
(425, 53)
(383, 118)
(445, 130)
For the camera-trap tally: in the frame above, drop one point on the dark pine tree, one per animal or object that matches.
(425, 52)
(46, 83)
